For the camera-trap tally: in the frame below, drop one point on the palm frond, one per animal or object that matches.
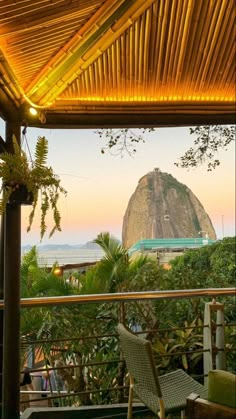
(111, 246)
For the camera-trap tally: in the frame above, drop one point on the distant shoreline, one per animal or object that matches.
(48, 255)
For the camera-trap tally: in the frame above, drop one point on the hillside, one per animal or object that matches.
(162, 207)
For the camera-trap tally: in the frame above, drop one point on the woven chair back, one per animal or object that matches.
(140, 363)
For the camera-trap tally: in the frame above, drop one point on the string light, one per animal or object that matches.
(170, 98)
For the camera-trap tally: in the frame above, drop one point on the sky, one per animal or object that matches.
(99, 185)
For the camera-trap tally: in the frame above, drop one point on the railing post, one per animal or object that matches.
(214, 338)
(2, 241)
(220, 339)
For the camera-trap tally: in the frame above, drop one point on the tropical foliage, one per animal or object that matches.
(178, 348)
(41, 282)
(117, 272)
(86, 333)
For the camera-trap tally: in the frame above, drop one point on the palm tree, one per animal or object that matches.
(118, 272)
(114, 266)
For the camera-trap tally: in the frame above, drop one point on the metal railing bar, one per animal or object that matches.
(69, 367)
(35, 342)
(174, 354)
(129, 296)
(44, 392)
(171, 329)
(113, 298)
(230, 349)
(80, 393)
(90, 364)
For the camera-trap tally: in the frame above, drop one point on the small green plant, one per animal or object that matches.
(182, 348)
(38, 178)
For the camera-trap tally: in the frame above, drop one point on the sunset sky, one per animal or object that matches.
(99, 185)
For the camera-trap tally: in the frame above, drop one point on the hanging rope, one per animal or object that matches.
(24, 140)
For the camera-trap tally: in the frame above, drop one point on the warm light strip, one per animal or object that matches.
(169, 98)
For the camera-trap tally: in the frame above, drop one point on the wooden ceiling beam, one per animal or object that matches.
(8, 109)
(133, 120)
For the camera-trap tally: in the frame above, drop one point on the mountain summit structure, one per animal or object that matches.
(162, 207)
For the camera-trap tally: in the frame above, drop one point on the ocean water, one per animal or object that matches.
(68, 256)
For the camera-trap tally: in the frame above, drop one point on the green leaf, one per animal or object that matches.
(185, 361)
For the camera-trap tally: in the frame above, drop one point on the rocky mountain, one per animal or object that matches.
(162, 207)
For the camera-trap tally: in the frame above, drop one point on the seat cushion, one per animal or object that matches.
(222, 388)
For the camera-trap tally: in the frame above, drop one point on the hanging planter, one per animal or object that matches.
(21, 196)
(28, 183)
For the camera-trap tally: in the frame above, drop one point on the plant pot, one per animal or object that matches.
(21, 196)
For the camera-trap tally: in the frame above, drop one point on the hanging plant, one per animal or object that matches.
(34, 180)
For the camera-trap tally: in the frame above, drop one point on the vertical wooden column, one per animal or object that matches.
(11, 324)
(214, 339)
(1, 298)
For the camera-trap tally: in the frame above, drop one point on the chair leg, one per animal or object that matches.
(162, 409)
(131, 385)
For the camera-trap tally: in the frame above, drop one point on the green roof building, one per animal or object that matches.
(167, 249)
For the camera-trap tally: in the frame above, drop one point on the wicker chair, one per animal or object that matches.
(164, 394)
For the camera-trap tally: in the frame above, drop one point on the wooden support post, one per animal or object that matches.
(214, 340)
(2, 148)
(220, 340)
(11, 325)
(1, 298)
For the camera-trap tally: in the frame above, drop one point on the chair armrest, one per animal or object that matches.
(198, 408)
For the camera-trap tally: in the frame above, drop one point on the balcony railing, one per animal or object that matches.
(87, 369)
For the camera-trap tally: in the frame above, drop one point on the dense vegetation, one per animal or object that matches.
(210, 266)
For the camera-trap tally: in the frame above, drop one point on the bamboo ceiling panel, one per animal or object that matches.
(74, 59)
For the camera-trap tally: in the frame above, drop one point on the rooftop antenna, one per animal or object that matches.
(223, 229)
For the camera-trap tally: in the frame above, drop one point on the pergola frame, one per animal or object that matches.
(104, 63)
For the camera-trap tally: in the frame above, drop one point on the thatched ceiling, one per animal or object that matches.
(117, 62)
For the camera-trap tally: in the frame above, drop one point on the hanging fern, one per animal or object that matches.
(41, 152)
(39, 179)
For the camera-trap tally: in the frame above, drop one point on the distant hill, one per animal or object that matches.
(25, 248)
(91, 246)
(64, 254)
(162, 207)
(47, 247)
(61, 247)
